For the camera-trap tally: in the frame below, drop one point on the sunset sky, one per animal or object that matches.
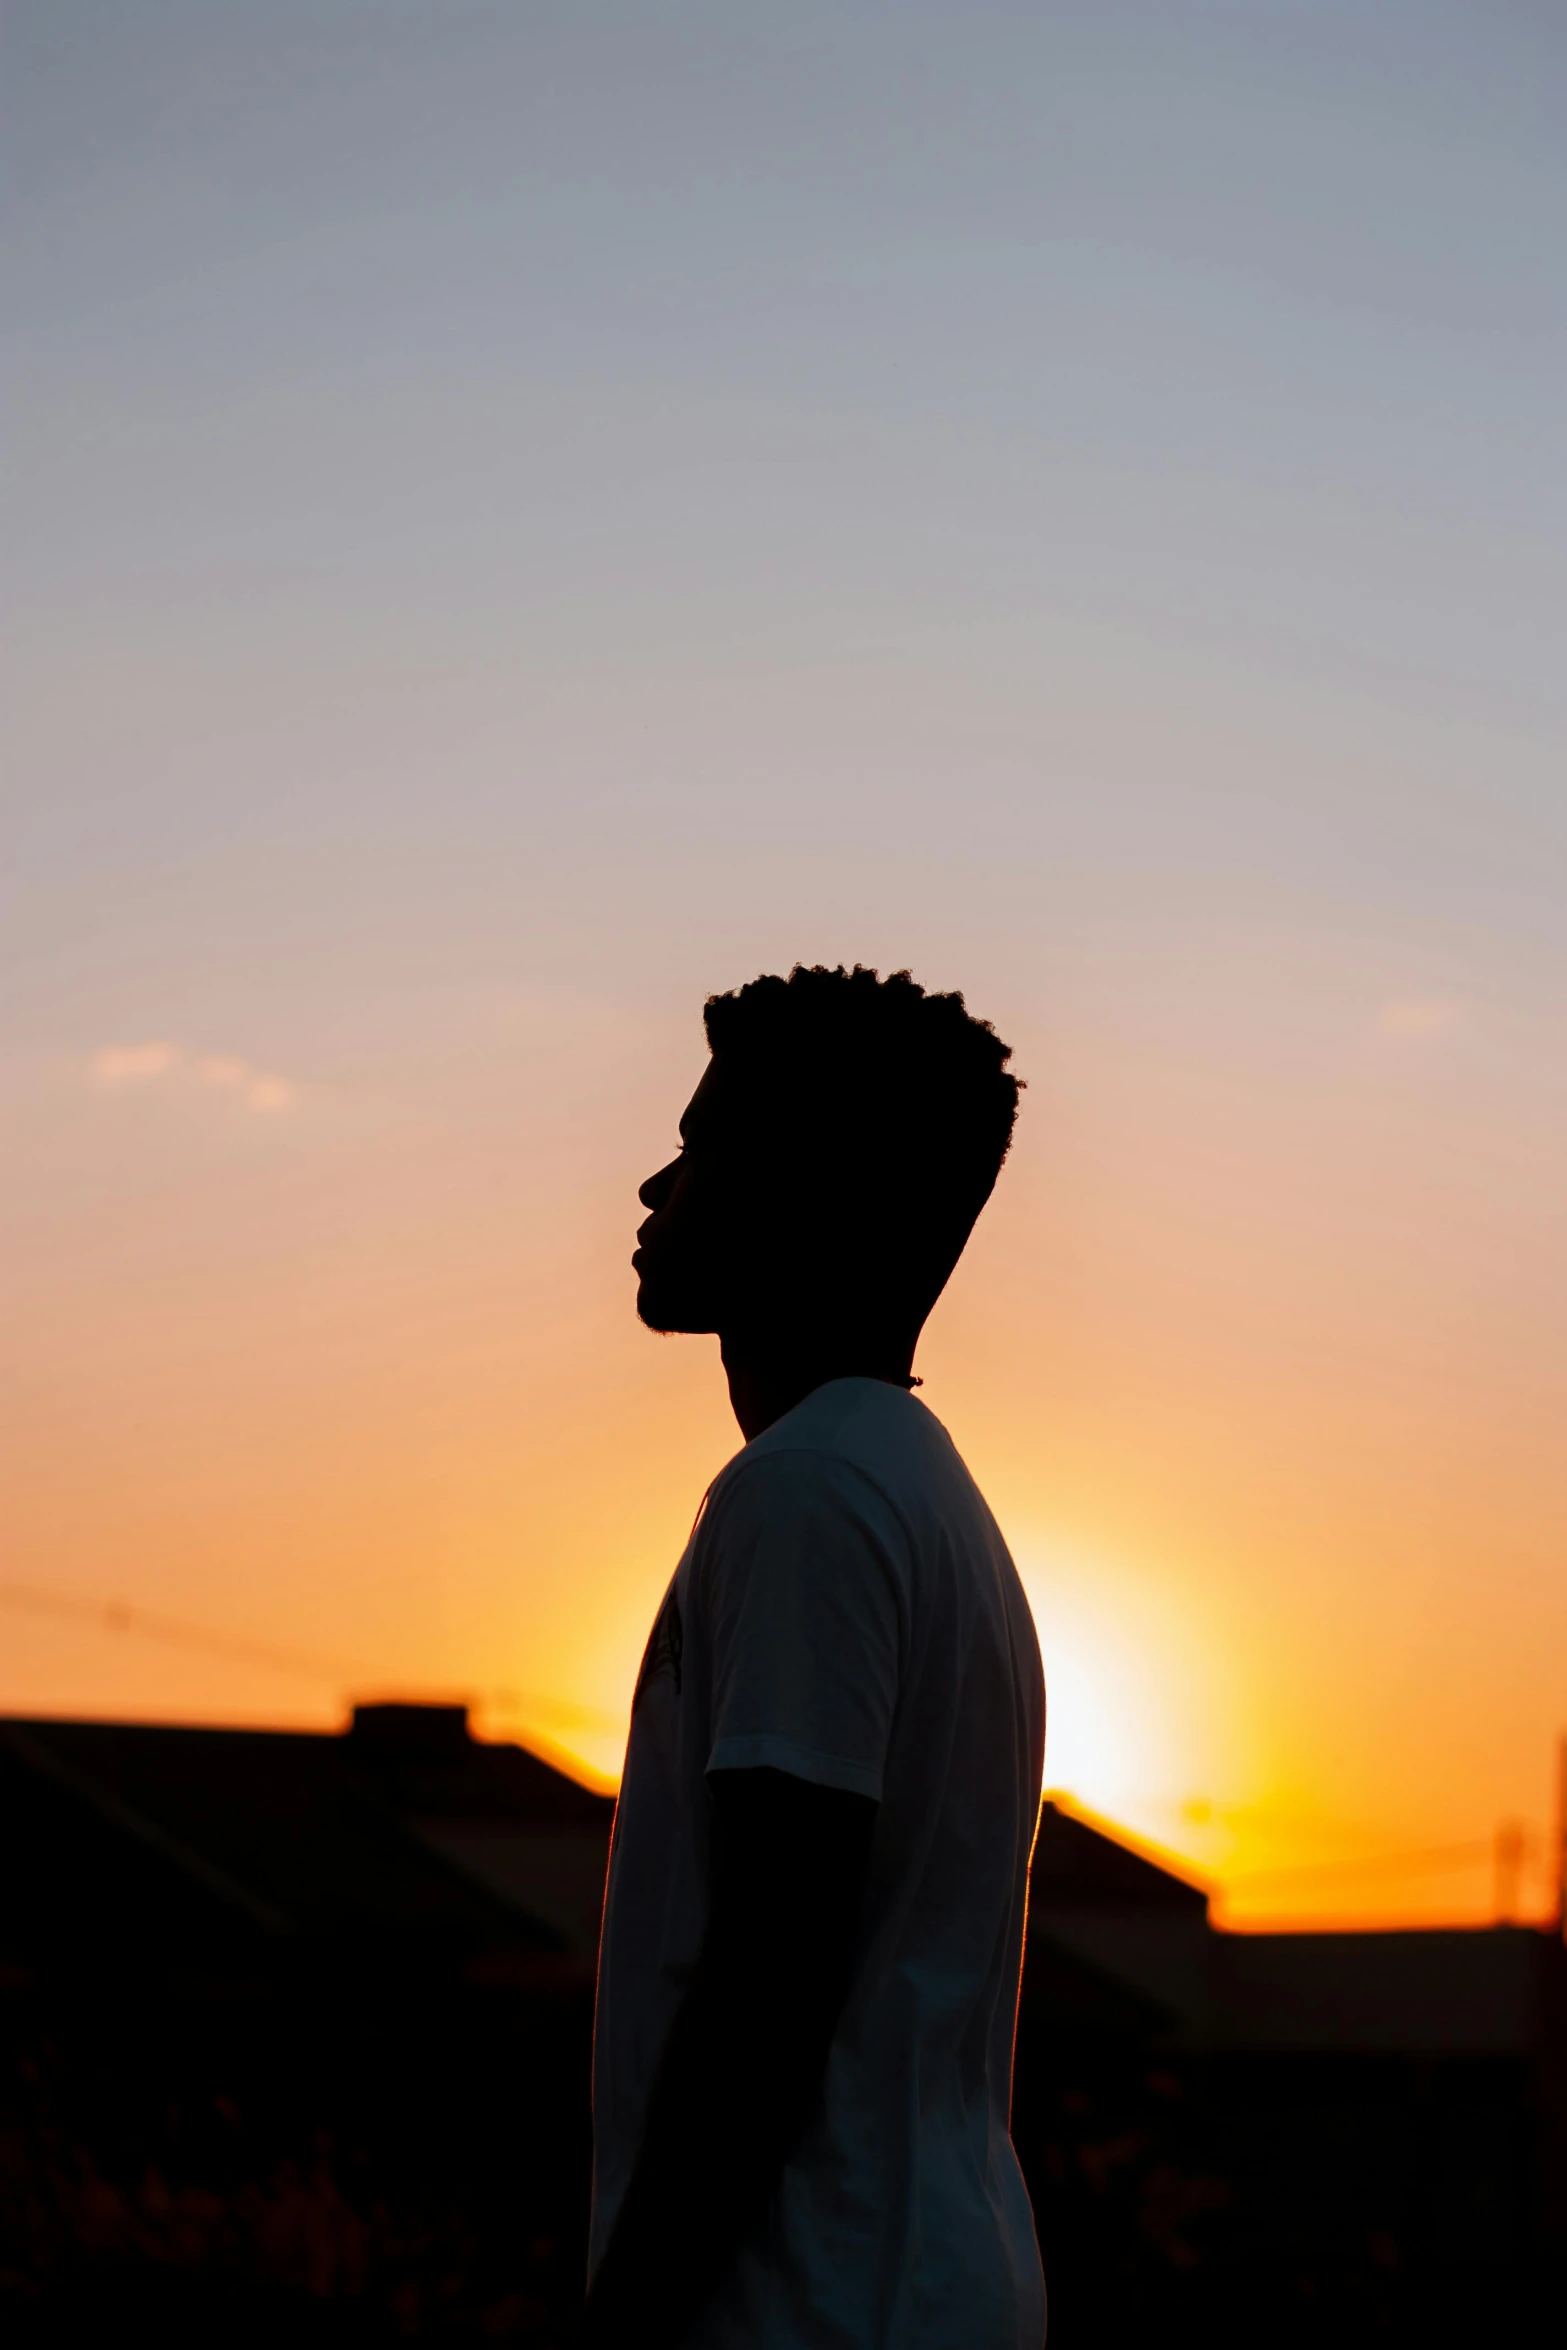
(521, 516)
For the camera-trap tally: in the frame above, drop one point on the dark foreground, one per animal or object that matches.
(361, 2117)
(252, 2165)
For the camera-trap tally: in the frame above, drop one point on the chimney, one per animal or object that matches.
(410, 1733)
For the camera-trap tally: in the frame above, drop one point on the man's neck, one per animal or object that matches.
(765, 1381)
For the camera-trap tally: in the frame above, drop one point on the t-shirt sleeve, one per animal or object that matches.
(805, 1577)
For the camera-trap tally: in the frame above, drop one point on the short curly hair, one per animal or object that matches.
(907, 1097)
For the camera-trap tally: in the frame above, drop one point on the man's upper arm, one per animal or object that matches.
(807, 1578)
(790, 1860)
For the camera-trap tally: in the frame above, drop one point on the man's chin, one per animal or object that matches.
(670, 1315)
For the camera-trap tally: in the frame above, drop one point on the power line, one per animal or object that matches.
(120, 1615)
(1401, 1864)
(1513, 1849)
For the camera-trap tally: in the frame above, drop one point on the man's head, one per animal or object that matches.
(843, 1140)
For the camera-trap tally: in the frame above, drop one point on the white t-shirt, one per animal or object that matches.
(846, 1610)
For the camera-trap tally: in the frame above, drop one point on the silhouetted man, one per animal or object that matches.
(814, 1920)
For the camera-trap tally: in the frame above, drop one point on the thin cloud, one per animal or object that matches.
(1423, 1015)
(127, 1064)
(262, 1090)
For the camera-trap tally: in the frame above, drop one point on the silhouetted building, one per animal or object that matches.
(294, 2033)
(403, 1836)
(1310, 2135)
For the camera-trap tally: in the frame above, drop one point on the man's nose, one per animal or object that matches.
(657, 1187)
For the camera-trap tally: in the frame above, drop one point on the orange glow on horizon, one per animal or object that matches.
(360, 1377)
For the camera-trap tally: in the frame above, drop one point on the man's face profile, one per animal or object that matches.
(685, 1253)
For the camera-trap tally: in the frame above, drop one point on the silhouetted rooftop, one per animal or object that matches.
(1465, 1991)
(404, 1827)
(1076, 1861)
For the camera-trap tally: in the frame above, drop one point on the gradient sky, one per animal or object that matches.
(522, 515)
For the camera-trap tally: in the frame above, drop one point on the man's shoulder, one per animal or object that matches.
(847, 1442)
